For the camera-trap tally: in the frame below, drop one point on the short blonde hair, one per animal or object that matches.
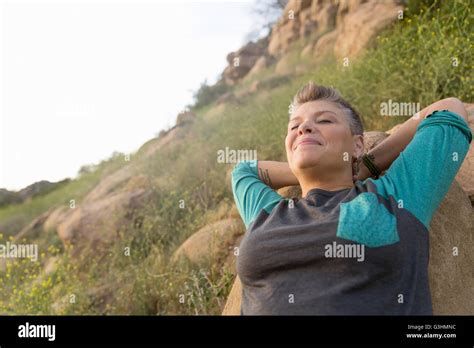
(311, 92)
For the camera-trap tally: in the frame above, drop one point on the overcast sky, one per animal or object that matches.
(82, 79)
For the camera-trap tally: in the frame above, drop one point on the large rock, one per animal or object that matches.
(33, 229)
(167, 138)
(352, 23)
(324, 12)
(234, 300)
(98, 222)
(451, 277)
(285, 65)
(214, 242)
(55, 218)
(283, 35)
(109, 184)
(185, 117)
(243, 60)
(465, 176)
(261, 64)
(360, 25)
(325, 43)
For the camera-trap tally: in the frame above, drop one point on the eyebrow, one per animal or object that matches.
(317, 113)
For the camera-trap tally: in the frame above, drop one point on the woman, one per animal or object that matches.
(357, 243)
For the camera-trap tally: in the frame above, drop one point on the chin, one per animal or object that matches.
(303, 162)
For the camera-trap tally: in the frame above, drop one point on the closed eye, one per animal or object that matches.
(320, 121)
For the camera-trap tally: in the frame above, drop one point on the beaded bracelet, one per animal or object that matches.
(369, 163)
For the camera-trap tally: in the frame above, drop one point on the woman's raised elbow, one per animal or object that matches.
(453, 104)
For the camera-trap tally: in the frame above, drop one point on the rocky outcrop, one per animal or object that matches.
(214, 242)
(344, 27)
(185, 117)
(172, 136)
(55, 218)
(110, 183)
(348, 24)
(359, 24)
(465, 176)
(33, 229)
(97, 222)
(451, 257)
(243, 60)
(233, 303)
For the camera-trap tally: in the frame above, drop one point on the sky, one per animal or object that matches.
(82, 79)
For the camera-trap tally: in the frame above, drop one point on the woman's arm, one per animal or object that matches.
(276, 174)
(389, 149)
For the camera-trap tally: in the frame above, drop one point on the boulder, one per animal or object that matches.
(361, 24)
(352, 24)
(98, 222)
(308, 25)
(465, 176)
(110, 183)
(325, 43)
(260, 64)
(233, 303)
(346, 7)
(165, 140)
(33, 229)
(450, 270)
(185, 117)
(243, 60)
(55, 218)
(285, 65)
(213, 242)
(290, 191)
(324, 12)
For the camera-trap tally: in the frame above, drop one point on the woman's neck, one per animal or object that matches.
(332, 183)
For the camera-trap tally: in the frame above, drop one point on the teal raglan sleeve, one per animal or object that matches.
(421, 175)
(251, 195)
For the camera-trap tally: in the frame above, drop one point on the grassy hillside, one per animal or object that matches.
(411, 62)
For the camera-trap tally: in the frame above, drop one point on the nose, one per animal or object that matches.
(305, 127)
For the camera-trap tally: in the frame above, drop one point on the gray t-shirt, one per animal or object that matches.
(357, 251)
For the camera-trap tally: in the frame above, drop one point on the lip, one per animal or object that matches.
(308, 141)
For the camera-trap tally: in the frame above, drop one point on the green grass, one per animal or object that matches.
(14, 217)
(411, 62)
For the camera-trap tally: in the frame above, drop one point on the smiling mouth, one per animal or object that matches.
(307, 143)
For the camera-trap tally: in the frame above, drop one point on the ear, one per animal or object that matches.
(358, 146)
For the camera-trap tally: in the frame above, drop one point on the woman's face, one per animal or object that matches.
(319, 135)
